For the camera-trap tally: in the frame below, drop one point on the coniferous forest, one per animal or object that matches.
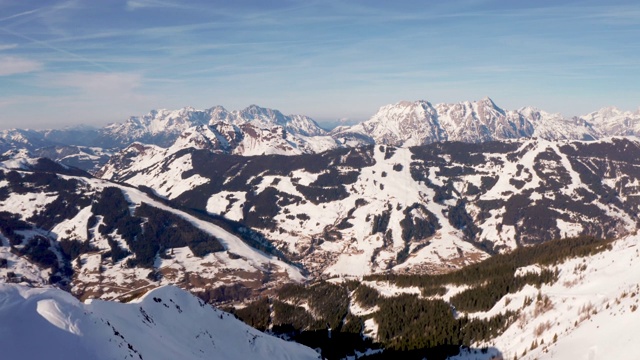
(411, 326)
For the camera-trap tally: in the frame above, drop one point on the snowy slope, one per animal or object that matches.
(38, 207)
(90, 159)
(591, 311)
(588, 310)
(429, 208)
(166, 323)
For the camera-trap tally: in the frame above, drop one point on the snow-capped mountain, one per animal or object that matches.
(90, 159)
(67, 146)
(102, 240)
(230, 205)
(35, 139)
(405, 123)
(165, 323)
(256, 130)
(296, 124)
(160, 127)
(420, 122)
(163, 127)
(611, 120)
(430, 208)
(22, 139)
(259, 131)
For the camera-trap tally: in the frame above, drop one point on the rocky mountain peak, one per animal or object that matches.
(488, 104)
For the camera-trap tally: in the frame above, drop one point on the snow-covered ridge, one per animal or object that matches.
(420, 122)
(590, 312)
(51, 214)
(162, 127)
(257, 130)
(260, 131)
(430, 208)
(166, 323)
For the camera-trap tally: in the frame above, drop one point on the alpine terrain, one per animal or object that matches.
(462, 231)
(165, 323)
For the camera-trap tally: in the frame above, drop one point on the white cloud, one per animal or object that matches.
(134, 5)
(8, 46)
(10, 65)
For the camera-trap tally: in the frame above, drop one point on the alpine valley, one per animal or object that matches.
(450, 230)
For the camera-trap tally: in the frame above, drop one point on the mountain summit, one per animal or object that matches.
(417, 123)
(163, 127)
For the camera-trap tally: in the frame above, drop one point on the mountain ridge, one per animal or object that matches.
(406, 123)
(406, 209)
(59, 225)
(164, 323)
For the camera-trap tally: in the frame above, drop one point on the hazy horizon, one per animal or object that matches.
(76, 62)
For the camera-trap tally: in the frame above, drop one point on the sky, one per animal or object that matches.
(95, 62)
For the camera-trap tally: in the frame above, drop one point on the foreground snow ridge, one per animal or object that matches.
(166, 323)
(589, 313)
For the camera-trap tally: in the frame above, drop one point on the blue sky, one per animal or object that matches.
(100, 61)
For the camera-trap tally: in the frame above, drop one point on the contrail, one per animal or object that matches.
(18, 15)
(63, 51)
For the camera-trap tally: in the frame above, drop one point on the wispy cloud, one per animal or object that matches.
(142, 4)
(95, 83)
(11, 65)
(58, 49)
(54, 17)
(8, 46)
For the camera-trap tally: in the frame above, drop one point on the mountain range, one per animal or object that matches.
(99, 239)
(355, 211)
(256, 130)
(234, 205)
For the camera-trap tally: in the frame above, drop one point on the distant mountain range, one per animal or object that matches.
(256, 130)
